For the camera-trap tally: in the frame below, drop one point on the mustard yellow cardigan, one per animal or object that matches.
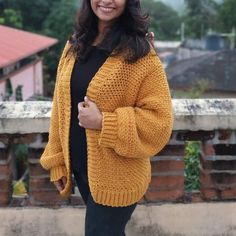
(137, 122)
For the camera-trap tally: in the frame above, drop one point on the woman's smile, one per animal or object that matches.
(106, 9)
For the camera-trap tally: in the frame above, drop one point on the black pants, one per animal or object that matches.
(102, 220)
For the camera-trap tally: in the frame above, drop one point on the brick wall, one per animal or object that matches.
(5, 172)
(199, 120)
(218, 166)
(168, 173)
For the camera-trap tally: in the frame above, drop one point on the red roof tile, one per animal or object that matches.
(18, 44)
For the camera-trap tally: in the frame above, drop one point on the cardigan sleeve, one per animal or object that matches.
(143, 130)
(52, 158)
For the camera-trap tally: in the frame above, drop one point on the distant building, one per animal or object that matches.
(191, 48)
(162, 46)
(167, 51)
(215, 70)
(20, 63)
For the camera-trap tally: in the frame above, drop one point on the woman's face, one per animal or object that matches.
(108, 10)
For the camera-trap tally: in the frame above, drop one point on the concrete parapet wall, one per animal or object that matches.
(201, 219)
(190, 114)
(210, 121)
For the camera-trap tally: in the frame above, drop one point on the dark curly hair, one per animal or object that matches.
(127, 36)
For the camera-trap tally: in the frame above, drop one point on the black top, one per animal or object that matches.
(82, 74)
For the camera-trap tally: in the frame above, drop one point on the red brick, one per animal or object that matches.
(40, 183)
(206, 180)
(205, 165)
(46, 198)
(5, 183)
(167, 195)
(209, 194)
(226, 179)
(162, 166)
(229, 194)
(34, 153)
(196, 199)
(4, 138)
(195, 135)
(224, 134)
(5, 198)
(167, 182)
(76, 200)
(173, 150)
(5, 169)
(193, 196)
(208, 149)
(3, 154)
(24, 138)
(218, 165)
(37, 170)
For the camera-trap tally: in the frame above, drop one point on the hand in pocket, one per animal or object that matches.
(61, 183)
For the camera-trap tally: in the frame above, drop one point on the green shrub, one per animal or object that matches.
(192, 166)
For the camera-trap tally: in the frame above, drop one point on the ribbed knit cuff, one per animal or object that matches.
(57, 172)
(50, 161)
(108, 135)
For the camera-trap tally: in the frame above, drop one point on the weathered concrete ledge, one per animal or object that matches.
(190, 114)
(200, 219)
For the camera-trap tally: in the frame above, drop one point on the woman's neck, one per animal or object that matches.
(103, 27)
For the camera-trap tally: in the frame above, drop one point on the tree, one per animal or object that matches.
(33, 13)
(227, 15)
(53, 18)
(201, 16)
(10, 17)
(165, 21)
(59, 24)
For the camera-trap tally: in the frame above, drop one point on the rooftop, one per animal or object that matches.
(17, 44)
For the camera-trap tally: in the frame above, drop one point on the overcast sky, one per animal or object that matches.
(178, 4)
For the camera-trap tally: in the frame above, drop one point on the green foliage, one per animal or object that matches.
(33, 13)
(19, 188)
(198, 89)
(195, 92)
(59, 24)
(10, 17)
(21, 154)
(8, 90)
(227, 15)
(165, 21)
(201, 16)
(192, 166)
(53, 18)
(8, 94)
(18, 93)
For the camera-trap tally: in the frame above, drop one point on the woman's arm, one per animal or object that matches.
(52, 157)
(141, 131)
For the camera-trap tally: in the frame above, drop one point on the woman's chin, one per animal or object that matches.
(106, 18)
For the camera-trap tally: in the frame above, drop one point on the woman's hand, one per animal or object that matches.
(61, 183)
(151, 38)
(89, 115)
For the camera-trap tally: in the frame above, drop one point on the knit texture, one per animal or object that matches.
(137, 123)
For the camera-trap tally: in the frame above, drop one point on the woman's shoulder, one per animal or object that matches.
(151, 61)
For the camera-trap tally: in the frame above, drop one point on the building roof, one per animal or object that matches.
(217, 68)
(17, 44)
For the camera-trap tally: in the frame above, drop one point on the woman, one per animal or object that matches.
(111, 112)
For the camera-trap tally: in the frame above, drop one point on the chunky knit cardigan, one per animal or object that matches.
(137, 122)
